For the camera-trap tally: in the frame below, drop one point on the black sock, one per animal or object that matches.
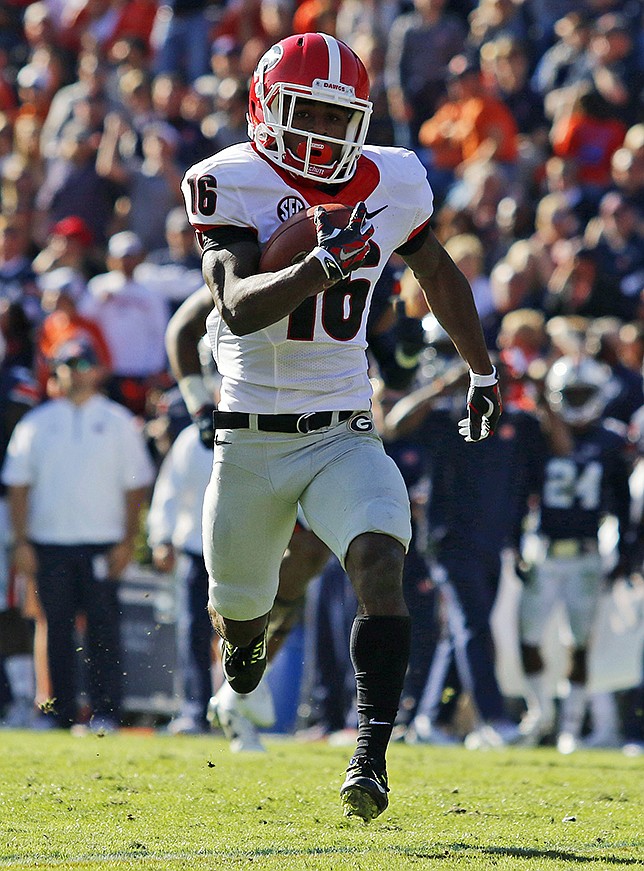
(379, 653)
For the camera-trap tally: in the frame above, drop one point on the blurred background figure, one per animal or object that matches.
(77, 556)
(587, 474)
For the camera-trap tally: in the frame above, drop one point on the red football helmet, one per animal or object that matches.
(317, 67)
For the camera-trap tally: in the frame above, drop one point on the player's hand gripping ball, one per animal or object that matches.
(340, 232)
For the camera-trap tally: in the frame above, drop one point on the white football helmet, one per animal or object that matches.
(578, 389)
(311, 66)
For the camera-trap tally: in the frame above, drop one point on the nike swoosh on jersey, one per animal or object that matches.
(370, 215)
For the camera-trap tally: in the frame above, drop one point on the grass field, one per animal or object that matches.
(159, 803)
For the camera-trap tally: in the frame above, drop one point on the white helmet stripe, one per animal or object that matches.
(335, 63)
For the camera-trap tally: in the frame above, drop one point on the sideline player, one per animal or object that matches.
(586, 476)
(294, 423)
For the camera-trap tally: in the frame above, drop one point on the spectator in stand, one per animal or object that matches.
(225, 56)
(19, 188)
(6, 137)
(129, 54)
(589, 136)
(371, 18)
(505, 65)
(153, 186)
(241, 22)
(135, 95)
(512, 222)
(35, 91)
(73, 187)
(613, 65)
(181, 38)
(227, 125)
(475, 197)
(174, 271)
(471, 126)
(62, 290)
(17, 279)
(313, 16)
(627, 174)
(522, 341)
(181, 248)
(631, 339)
(466, 250)
(90, 85)
(199, 100)
(40, 26)
(370, 48)
(561, 175)
(414, 86)
(102, 22)
(133, 318)
(498, 19)
(604, 343)
(560, 64)
(69, 244)
(63, 454)
(26, 141)
(579, 287)
(168, 91)
(276, 17)
(511, 288)
(616, 238)
(555, 223)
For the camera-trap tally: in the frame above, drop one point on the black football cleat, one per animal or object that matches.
(244, 666)
(364, 791)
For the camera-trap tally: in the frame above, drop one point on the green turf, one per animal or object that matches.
(135, 801)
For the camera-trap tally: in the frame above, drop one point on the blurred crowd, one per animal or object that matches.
(527, 115)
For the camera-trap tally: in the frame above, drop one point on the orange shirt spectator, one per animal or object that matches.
(589, 136)
(471, 125)
(61, 290)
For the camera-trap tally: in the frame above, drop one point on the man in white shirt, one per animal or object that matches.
(133, 317)
(76, 470)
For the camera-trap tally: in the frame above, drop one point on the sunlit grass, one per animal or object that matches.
(155, 802)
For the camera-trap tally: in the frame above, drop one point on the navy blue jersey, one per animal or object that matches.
(579, 489)
(479, 492)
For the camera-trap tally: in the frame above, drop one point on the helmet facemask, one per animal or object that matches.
(273, 107)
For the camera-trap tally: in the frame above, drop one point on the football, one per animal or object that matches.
(293, 239)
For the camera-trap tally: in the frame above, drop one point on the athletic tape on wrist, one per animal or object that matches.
(329, 264)
(483, 380)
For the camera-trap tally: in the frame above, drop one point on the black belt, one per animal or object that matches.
(302, 423)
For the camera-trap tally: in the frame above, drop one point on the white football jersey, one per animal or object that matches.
(314, 359)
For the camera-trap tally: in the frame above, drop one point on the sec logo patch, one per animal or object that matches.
(360, 423)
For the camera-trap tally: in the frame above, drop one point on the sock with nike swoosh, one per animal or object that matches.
(379, 653)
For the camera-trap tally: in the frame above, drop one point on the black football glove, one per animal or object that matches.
(205, 423)
(484, 407)
(344, 249)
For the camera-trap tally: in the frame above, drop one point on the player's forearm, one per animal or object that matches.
(185, 328)
(450, 299)
(251, 303)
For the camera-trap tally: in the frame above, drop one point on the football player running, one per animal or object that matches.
(294, 421)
